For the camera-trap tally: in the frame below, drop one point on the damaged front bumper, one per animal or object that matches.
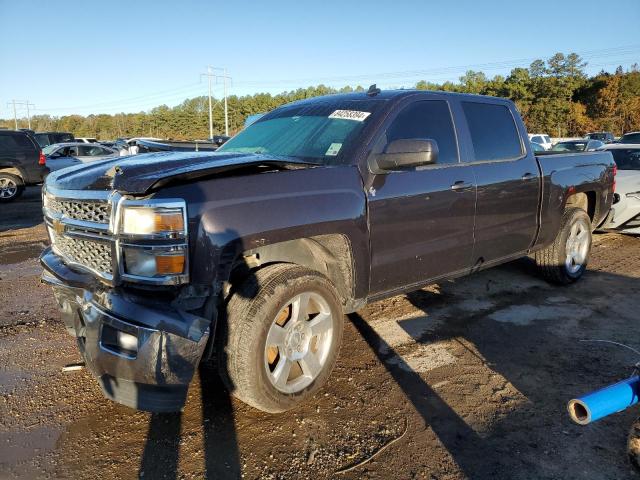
(144, 354)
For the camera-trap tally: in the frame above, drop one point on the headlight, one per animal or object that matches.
(149, 221)
(151, 262)
(153, 241)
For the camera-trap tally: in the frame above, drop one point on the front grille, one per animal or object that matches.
(87, 211)
(90, 253)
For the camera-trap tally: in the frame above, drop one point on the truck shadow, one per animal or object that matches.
(541, 357)
(160, 458)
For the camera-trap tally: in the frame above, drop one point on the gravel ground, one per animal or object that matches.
(465, 379)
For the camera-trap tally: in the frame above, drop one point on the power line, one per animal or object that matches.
(25, 103)
(397, 76)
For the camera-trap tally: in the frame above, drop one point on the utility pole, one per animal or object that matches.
(15, 116)
(28, 114)
(210, 74)
(226, 114)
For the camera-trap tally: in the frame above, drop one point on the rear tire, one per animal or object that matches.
(565, 260)
(11, 187)
(281, 337)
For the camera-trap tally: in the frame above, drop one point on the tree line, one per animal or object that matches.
(555, 96)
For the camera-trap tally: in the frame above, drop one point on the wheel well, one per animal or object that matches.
(584, 200)
(330, 255)
(12, 171)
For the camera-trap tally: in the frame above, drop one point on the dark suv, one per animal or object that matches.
(21, 163)
(45, 139)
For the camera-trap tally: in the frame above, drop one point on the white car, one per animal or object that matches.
(86, 140)
(625, 211)
(63, 155)
(541, 139)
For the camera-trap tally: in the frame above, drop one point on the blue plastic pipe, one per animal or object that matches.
(603, 402)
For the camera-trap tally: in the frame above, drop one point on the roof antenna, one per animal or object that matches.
(373, 90)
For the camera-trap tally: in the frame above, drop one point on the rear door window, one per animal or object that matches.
(537, 139)
(493, 131)
(14, 142)
(42, 139)
(427, 119)
(23, 142)
(7, 143)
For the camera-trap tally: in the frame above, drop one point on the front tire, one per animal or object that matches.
(281, 337)
(565, 260)
(11, 187)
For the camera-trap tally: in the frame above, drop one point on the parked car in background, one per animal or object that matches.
(220, 139)
(578, 146)
(45, 139)
(536, 147)
(150, 146)
(86, 140)
(625, 211)
(63, 155)
(631, 137)
(541, 139)
(606, 137)
(130, 146)
(21, 164)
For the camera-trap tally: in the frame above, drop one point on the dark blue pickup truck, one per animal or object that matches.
(251, 256)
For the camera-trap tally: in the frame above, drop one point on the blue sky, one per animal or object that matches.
(72, 56)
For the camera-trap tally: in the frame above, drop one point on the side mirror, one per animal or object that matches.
(404, 153)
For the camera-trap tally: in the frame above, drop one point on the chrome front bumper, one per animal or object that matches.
(143, 355)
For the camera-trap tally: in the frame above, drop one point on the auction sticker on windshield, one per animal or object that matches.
(333, 149)
(350, 115)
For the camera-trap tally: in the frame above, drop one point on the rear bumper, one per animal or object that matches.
(144, 356)
(35, 175)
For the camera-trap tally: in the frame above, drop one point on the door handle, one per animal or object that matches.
(461, 186)
(528, 176)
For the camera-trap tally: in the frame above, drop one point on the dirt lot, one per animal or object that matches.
(467, 379)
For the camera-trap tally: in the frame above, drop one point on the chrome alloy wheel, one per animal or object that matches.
(298, 342)
(8, 188)
(577, 246)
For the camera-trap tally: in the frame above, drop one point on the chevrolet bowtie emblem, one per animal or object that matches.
(58, 226)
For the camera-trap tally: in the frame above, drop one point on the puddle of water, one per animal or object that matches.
(10, 379)
(526, 314)
(11, 255)
(18, 446)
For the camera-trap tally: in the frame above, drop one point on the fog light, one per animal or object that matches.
(118, 341)
(126, 341)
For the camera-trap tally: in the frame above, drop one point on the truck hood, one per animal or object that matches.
(138, 174)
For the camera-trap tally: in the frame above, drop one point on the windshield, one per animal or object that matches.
(630, 138)
(320, 132)
(597, 136)
(569, 147)
(627, 158)
(49, 149)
